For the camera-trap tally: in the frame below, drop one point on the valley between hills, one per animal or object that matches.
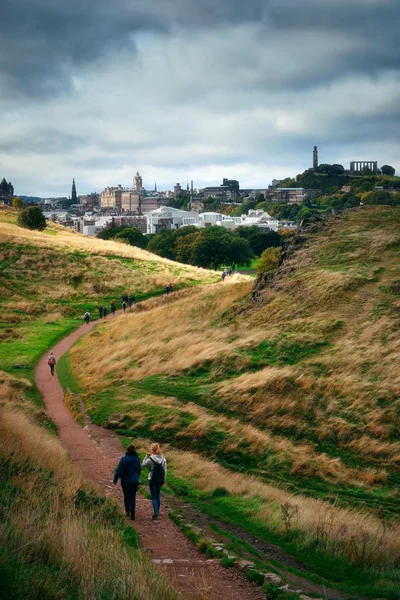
(277, 406)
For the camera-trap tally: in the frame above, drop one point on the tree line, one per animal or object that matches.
(210, 247)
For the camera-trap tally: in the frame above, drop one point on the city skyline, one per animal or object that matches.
(183, 91)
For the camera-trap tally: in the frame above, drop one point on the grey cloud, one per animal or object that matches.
(43, 42)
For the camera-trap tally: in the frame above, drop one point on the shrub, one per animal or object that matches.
(269, 260)
(219, 492)
(31, 218)
(227, 562)
(255, 577)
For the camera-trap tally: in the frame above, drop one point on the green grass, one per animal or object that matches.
(321, 567)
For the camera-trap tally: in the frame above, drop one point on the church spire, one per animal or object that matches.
(74, 197)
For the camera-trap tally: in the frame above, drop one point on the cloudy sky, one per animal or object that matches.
(203, 89)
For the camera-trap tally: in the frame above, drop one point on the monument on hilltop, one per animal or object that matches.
(315, 158)
(360, 167)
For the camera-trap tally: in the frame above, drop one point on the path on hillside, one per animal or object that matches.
(97, 452)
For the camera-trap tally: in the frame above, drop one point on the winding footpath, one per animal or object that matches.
(96, 451)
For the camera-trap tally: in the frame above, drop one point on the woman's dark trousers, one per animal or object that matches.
(130, 490)
(155, 496)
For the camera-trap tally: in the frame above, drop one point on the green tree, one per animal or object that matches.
(269, 260)
(216, 246)
(133, 236)
(17, 203)
(164, 243)
(388, 170)
(185, 247)
(31, 218)
(259, 240)
(366, 186)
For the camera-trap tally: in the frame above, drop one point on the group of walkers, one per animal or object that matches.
(128, 471)
(225, 273)
(126, 301)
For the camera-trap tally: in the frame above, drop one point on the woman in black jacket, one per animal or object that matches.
(128, 471)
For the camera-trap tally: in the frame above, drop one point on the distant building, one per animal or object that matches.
(276, 182)
(290, 195)
(6, 192)
(228, 191)
(90, 200)
(122, 199)
(315, 158)
(361, 166)
(177, 190)
(74, 197)
(167, 218)
(137, 183)
(210, 219)
(261, 219)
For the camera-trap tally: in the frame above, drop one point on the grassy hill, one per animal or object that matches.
(326, 183)
(289, 402)
(50, 278)
(58, 538)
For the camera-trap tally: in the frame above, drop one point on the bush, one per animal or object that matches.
(227, 562)
(269, 260)
(31, 218)
(219, 492)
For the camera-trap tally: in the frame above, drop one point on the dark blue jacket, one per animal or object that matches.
(128, 469)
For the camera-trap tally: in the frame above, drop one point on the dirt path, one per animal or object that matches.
(97, 452)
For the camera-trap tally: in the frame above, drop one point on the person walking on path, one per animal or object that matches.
(157, 465)
(51, 361)
(101, 312)
(104, 311)
(124, 306)
(128, 472)
(87, 317)
(112, 308)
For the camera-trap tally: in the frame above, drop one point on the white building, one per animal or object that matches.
(261, 219)
(167, 217)
(208, 219)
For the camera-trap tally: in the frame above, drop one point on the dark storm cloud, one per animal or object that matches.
(43, 42)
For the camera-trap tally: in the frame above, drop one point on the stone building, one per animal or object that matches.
(177, 190)
(137, 183)
(122, 199)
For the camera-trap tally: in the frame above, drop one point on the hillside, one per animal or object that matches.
(289, 402)
(330, 183)
(58, 537)
(50, 278)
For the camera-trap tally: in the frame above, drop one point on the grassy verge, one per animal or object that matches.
(322, 567)
(59, 537)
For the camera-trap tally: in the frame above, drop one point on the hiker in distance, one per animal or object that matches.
(113, 308)
(101, 312)
(157, 464)
(51, 361)
(128, 472)
(87, 317)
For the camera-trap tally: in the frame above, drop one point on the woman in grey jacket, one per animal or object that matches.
(157, 465)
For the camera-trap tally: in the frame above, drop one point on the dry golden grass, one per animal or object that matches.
(341, 530)
(44, 528)
(58, 239)
(163, 337)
